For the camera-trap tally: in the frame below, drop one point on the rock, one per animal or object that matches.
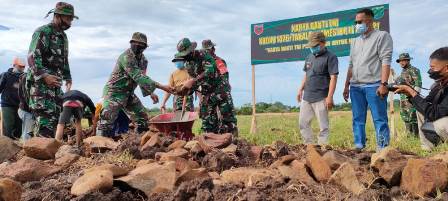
(256, 151)
(183, 164)
(389, 163)
(41, 148)
(190, 144)
(217, 161)
(10, 190)
(284, 160)
(318, 166)
(214, 175)
(67, 149)
(116, 170)
(152, 178)
(66, 160)
(191, 174)
(146, 137)
(388, 154)
(177, 144)
(345, 176)
(196, 149)
(100, 180)
(296, 170)
(231, 149)
(247, 176)
(211, 141)
(67, 155)
(28, 169)
(8, 148)
(179, 152)
(145, 162)
(281, 148)
(334, 159)
(99, 144)
(152, 142)
(422, 177)
(441, 156)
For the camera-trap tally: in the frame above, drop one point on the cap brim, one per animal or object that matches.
(187, 51)
(398, 60)
(177, 59)
(138, 42)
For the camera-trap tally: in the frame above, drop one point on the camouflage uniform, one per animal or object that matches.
(118, 93)
(178, 101)
(48, 55)
(207, 45)
(410, 75)
(214, 91)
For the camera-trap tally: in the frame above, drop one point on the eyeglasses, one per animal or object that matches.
(358, 22)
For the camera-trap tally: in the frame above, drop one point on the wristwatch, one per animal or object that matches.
(384, 84)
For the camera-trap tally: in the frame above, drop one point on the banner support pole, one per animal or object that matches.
(253, 126)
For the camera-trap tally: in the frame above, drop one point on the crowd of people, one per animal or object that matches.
(367, 87)
(45, 108)
(34, 103)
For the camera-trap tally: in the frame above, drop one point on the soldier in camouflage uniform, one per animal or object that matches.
(48, 60)
(129, 71)
(209, 46)
(410, 75)
(214, 91)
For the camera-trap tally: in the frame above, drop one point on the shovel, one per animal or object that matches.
(180, 115)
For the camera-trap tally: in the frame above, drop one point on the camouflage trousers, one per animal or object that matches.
(218, 114)
(46, 105)
(178, 101)
(131, 105)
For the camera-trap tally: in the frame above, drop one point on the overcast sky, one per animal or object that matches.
(104, 28)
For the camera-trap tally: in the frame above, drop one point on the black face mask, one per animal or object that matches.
(64, 26)
(435, 75)
(137, 49)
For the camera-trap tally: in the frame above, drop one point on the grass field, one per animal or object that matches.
(284, 127)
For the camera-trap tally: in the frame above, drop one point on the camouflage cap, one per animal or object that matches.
(208, 44)
(184, 47)
(139, 37)
(403, 56)
(63, 8)
(315, 38)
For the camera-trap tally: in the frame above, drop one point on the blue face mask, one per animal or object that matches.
(361, 28)
(179, 64)
(315, 49)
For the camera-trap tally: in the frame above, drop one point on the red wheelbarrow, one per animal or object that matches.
(171, 124)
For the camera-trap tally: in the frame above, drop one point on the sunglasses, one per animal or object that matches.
(358, 22)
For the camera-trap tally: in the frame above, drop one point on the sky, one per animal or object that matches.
(105, 27)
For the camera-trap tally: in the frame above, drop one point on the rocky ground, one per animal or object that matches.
(212, 167)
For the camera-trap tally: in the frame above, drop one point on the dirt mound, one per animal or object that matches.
(269, 172)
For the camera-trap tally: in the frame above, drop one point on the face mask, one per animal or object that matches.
(179, 64)
(315, 50)
(435, 75)
(137, 49)
(361, 28)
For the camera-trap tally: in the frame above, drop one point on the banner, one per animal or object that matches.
(284, 40)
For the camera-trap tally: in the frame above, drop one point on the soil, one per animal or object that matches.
(57, 187)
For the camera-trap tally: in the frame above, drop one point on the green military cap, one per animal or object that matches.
(315, 38)
(207, 44)
(139, 37)
(403, 56)
(63, 8)
(184, 47)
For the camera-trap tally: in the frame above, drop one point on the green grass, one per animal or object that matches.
(284, 127)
